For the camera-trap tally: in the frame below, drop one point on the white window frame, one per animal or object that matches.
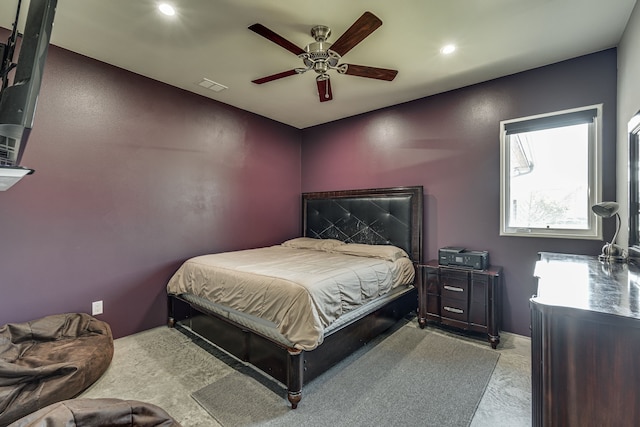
(594, 230)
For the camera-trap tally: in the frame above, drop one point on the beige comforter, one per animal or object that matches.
(302, 291)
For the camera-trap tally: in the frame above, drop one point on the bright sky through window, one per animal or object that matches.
(550, 174)
(554, 193)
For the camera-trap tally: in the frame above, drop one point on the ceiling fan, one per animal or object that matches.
(322, 56)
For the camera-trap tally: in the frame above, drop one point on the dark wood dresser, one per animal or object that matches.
(462, 298)
(585, 342)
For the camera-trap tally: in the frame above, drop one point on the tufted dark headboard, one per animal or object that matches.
(379, 216)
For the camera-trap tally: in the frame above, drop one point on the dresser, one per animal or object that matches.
(462, 298)
(585, 342)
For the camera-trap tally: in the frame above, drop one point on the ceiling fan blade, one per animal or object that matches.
(371, 72)
(275, 76)
(324, 89)
(276, 38)
(360, 29)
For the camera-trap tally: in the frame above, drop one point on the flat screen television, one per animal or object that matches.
(21, 81)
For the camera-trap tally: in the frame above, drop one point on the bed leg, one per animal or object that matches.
(294, 398)
(295, 369)
(178, 311)
(171, 321)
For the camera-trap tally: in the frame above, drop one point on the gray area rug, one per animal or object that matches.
(411, 377)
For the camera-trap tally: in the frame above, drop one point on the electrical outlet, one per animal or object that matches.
(96, 308)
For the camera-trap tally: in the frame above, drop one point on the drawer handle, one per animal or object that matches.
(453, 288)
(453, 310)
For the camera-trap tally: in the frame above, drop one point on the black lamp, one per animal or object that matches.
(610, 251)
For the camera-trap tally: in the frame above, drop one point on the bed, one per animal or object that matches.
(383, 222)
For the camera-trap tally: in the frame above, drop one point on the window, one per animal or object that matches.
(550, 174)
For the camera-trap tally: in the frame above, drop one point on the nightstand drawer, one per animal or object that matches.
(455, 278)
(452, 309)
(455, 285)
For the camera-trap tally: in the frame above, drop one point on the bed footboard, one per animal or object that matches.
(289, 366)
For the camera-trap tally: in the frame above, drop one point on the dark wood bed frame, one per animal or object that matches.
(373, 216)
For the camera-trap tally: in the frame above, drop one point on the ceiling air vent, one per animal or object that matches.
(210, 84)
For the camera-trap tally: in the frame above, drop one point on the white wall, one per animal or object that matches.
(628, 105)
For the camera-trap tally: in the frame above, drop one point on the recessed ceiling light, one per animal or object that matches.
(448, 49)
(167, 9)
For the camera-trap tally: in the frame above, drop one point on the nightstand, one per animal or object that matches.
(462, 298)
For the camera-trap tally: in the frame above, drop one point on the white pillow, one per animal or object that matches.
(386, 252)
(311, 243)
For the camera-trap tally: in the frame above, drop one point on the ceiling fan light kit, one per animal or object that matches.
(322, 56)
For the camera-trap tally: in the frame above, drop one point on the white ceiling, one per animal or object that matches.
(209, 39)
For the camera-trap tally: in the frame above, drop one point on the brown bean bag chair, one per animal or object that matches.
(49, 360)
(97, 413)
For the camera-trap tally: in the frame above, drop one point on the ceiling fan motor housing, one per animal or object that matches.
(317, 55)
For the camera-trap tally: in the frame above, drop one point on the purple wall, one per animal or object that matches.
(450, 144)
(132, 177)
